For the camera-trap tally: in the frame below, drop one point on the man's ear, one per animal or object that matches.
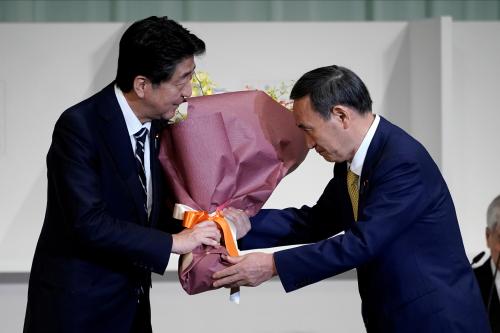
(343, 113)
(140, 83)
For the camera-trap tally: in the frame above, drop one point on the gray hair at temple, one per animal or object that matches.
(493, 213)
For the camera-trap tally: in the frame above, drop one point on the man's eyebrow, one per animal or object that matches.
(189, 73)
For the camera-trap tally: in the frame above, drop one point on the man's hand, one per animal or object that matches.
(249, 270)
(203, 233)
(239, 219)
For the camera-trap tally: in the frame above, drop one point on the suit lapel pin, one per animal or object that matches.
(364, 185)
(157, 136)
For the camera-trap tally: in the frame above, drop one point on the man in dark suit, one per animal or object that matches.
(486, 272)
(107, 226)
(390, 201)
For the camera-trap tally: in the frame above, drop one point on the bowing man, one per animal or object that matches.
(389, 199)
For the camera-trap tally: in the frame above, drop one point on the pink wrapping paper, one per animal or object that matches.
(196, 269)
(233, 150)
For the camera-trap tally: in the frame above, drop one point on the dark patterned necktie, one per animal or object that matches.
(140, 139)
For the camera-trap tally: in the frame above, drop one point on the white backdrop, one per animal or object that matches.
(436, 78)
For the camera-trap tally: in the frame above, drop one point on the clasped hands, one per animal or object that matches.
(207, 232)
(247, 270)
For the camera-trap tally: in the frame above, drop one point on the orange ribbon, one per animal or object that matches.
(192, 218)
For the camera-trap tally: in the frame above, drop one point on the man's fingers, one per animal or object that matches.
(210, 238)
(230, 217)
(232, 270)
(210, 241)
(240, 220)
(213, 233)
(205, 224)
(208, 232)
(227, 281)
(233, 213)
(232, 260)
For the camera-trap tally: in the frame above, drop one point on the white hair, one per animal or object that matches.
(493, 213)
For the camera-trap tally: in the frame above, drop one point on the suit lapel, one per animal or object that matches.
(371, 160)
(117, 140)
(155, 171)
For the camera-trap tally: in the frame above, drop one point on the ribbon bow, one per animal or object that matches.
(193, 217)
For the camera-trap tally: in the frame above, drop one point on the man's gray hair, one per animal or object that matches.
(493, 215)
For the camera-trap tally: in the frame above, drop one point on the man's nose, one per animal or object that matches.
(187, 90)
(310, 142)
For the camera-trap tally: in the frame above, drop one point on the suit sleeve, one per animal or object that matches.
(74, 167)
(290, 226)
(398, 198)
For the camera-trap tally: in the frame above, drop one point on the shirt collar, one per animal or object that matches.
(131, 120)
(357, 162)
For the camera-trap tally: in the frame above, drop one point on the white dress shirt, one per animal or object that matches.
(358, 160)
(133, 126)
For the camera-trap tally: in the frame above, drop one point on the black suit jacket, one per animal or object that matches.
(484, 276)
(97, 247)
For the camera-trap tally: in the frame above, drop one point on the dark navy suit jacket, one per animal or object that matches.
(484, 277)
(413, 274)
(97, 247)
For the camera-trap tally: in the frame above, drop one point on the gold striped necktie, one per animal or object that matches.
(352, 188)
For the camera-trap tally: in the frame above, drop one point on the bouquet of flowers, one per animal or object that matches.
(231, 151)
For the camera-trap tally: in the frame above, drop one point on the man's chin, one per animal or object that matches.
(326, 157)
(168, 115)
